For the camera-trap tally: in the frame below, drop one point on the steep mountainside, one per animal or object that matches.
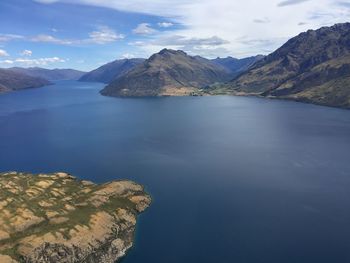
(49, 218)
(167, 73)
(51, 74)
(311, 67)
(111, 71)
(11, 81)
(235, 65)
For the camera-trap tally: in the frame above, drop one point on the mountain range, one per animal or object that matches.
(11, 81)
(168, 73)
(311, 67)
(235, 66)
(50, 74)
(111, 71)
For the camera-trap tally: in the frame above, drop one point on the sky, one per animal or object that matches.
(85, 34)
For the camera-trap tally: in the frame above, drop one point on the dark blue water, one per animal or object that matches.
(241, 180)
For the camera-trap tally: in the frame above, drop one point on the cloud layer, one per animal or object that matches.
(32, 62)
(291, 2)
(248, 27)
(103, 35)
(26, 52)
(3, 53)
(87, 33)
(144, 29)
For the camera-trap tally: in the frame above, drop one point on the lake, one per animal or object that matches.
(233, 179)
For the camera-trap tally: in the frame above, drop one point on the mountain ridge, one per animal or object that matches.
(235, 65)
(167, 73)
(12, 81)
(50, 74)
(312, 67)
(110, 71)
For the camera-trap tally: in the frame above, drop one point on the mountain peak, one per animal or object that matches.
(168, 72)
(165, 51)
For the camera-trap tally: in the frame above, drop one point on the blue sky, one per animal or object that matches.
(89, 33)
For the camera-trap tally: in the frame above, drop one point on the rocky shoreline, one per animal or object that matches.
(51, 218)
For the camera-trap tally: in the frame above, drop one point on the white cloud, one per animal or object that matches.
(184, 41)
(39, 61)
(6, 62)
(3, 53)
(104, 35)
(261, 20)
(154, 7)
(144, 29)
(26, 52)
(51, 39)
(233, 20)
(33, 62)
(9, 37)
(101, 36)
(127, 56)
(195, 46)
(165, 24)
(291, 2)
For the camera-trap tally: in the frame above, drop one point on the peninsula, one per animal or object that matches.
(58, 218)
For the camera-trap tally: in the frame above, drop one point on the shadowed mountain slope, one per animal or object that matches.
(235, 65)
(311, 67)
(111, 71)
(51, 74)
(11, 81)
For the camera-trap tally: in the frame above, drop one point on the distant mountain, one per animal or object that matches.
(51, 74)
(11, 80)
(168, 72)
(236, 66)
(112, 70)
(311, 67)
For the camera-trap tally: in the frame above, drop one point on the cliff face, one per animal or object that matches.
(167, 73)
(313, 67)
(50, 218)
(11, 81)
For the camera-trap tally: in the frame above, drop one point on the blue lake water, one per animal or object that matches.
(234, 179)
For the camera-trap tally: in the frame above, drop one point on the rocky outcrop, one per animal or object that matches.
(55, 218)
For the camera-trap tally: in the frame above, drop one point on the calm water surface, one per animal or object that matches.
(234, 180)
